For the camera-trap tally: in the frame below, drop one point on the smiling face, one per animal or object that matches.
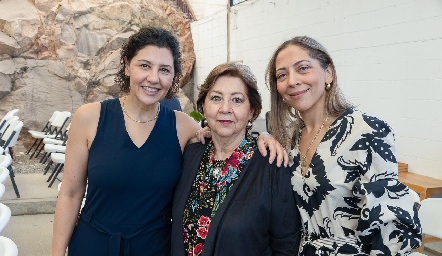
(301, 80)
(151, 74)
(227, 108)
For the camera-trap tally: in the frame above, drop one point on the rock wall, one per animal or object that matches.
(58, 55)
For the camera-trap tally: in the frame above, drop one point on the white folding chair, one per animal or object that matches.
(7, 123)
(55, 145)
(57, 130)
(429, 216)
(7, 117)
(47, 129)
(59, 159)
(4, 172)
(10, 136)
(5, 215)
(6, 161)
(2, 190)
(47, 126)
(7, 247)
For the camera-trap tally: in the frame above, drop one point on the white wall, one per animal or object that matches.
(388, 56)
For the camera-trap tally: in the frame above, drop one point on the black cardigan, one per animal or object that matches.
(257, 217)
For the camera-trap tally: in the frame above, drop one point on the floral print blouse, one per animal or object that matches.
(350, 199)
(214, 179)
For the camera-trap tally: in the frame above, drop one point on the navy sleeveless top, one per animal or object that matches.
(130, 189)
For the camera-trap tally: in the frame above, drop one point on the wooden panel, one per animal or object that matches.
(402, 167)
(423, 185)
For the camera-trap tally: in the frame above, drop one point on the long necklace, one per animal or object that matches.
(303, 158)
(135, 120)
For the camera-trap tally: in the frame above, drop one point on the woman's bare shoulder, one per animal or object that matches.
(88, 112)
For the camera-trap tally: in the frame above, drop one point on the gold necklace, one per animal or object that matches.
(135, 120)
(303, 158)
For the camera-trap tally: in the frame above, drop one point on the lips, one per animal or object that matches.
(150, 89)
(298, 94)
(225, 122)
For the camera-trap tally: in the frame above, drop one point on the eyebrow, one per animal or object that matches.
(294, 64)
(234, 93)
(149, 62)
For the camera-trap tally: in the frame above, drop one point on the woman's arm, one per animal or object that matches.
(81, 134)
(389, 222)
(187, 129)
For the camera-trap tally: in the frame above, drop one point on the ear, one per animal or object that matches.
(329, 74)
(126, 64)
(251, 113)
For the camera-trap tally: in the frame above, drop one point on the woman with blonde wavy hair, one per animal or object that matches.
(343, 162)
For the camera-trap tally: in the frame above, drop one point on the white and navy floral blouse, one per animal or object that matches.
(350, 199)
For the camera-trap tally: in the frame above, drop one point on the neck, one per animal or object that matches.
(139, 110)
(224, 147)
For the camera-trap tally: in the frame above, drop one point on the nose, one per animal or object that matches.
(152, 76)
(225, 106)
(293, 79)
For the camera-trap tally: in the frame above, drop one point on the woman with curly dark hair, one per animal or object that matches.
(128, 151)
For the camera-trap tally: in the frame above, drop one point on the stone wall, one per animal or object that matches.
(58, 55)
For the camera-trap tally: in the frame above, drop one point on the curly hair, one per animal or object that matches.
(144, 37)
(233, 69)
(281, 114)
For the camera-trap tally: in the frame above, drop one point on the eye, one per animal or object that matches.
(165, 71)
(281, 77)
(237, 100)
(144, 66)
(215, 98)
(303, 69)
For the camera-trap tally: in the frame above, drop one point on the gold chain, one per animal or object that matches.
(135, 120)
(303, 158)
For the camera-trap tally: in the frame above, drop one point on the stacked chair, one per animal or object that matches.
(10, 128)
(7, 246)
(53, 130)
(52, 139)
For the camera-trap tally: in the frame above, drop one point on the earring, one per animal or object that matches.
(328, 87)
(249, 125)
(205, 123)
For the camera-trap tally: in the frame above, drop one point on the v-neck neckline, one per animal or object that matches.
(127, 133)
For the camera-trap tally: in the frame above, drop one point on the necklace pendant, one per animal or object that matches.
(303, 163)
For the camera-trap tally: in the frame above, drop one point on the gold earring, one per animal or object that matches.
(327, 87)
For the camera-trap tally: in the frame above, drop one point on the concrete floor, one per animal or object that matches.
(31, 233)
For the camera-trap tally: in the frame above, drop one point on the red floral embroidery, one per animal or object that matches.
(202, 232)
(202, 187)
(198, 249)
(185, 235)
(234, 159)
(203, 221)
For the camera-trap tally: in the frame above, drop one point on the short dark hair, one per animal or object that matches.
(144, 37)
(233, 69)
